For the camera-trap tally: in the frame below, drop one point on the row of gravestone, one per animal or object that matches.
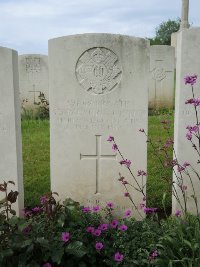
(98, 87)
(33, 78)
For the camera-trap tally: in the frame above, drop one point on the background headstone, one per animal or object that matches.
(33, 79)
(10, 125)
(188, 62)
(161, 80)
(98, 87)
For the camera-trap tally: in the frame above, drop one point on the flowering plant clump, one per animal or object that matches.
(71, 235)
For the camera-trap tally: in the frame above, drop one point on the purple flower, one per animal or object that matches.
(126, 162)
(65, 237)
(194, 101)
(123, 227)
(186, 164)
(99, 246)
(178, 213)
(114, 224)
(28, 213)
(126, 194)
(114, 147)
(149, 210)
(127, 213)
(43, 200)
(47, 264)
(110, 205)
(141, 173)
(90, 229)
(190, 79)
(86, 209)
(103, 227)
(189, 136)
(118, 257)
(194, 128)
(110, 138)
(180, 168)
(97, 232)
(36, 209)
(153, 255)
(96, 209)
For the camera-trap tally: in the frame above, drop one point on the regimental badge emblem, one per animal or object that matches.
(158, 74)
(98, 70)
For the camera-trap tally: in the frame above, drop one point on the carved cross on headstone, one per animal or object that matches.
(98, 156)
(34, 92)
(185, 14)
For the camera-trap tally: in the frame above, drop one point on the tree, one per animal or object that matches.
(164, 31)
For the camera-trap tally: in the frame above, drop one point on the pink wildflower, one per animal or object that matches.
(103, 227)
(65, 237)
(110, 138)
(96, 209)
(126, 194)
(90, 229)
(110, 205)
(97, 232)
(86, 209)
(47, 264)
(178, 213)
(114, 224)
(123, 227)
(99, 246)
(118, 257)
(141, 173)
(114, 147)
(127, 213)
(153, 255)
(43, 199)
(126, 162)
(190, 79)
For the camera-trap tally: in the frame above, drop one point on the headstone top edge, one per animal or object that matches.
(30, 55)
(98, 34)
(8, 49)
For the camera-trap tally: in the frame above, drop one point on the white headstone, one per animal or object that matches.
(188, 62)
(174, 41)
(98, 87)
(161, 80)
(33, 80)
(10, 126)
(185, 15)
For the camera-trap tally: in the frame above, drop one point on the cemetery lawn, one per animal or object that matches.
(36, 158)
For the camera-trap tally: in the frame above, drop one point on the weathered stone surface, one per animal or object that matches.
(10, 125)
(161, 80)
(33, 80)
(188, 62)
(98, 87)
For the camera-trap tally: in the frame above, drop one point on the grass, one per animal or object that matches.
(36, 160)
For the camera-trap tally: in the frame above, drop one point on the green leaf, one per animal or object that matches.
(76, 248)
